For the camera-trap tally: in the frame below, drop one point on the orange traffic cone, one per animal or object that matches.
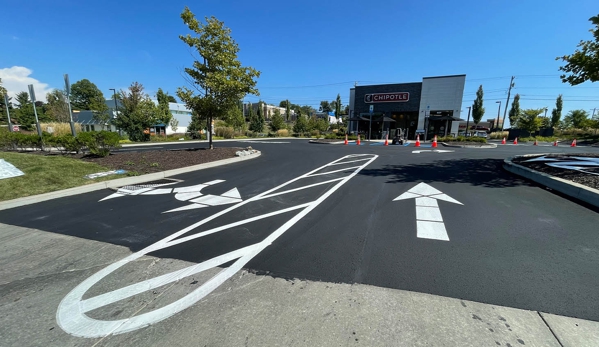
(435, 142)
(503, 141)
(345, 143)
(516, 141)
(535, 144)
(573, 143)
(417, 144)
(555, 143)
(358, 140)
(386, 140)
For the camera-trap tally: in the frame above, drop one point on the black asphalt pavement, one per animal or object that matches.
(511, 243)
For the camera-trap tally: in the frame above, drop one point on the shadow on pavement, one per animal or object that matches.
(477, 172)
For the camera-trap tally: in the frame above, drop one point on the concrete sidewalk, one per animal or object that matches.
(37, 270)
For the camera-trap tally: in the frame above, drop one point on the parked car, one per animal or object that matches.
(479, 133)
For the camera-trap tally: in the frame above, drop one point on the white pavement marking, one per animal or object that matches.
(429, 221)
(434, 151)
(332, 172)
(71, 315)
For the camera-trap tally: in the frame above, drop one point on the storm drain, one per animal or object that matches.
(152, 184)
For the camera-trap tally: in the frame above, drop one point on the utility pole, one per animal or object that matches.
(468, 121)
(512, 84)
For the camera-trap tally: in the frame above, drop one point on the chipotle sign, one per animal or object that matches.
(387, 97)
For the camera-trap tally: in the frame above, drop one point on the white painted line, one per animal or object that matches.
(233, 193)
(429, 221)
(432, 230)
(301, 188)
(191, 189)
(214, 200)
(71, 316)
(428, 214)
(334, 171)
(187, 196)
(186, 207)
(211, 183)
(158, 191)
(347, 162)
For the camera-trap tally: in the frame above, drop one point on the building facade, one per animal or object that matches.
(427, 108)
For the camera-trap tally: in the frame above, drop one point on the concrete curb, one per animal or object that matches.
(5, 205)
(487, 145)
(571, 189)
(326, 143)
(255, 139)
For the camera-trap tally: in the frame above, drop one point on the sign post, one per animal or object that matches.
(37, 121)
(67, 87)
(371, 110)
(10, 128)
(427, 114)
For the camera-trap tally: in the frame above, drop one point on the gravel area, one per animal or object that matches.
(161, 160)
(587, 179)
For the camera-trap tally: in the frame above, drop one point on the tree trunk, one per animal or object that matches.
(209, 132)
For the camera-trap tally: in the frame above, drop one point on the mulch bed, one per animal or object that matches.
(583, 178)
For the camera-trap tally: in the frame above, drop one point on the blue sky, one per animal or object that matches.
(307, 51)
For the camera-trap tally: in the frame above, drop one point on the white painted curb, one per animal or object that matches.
(569, 188)
(5, 205)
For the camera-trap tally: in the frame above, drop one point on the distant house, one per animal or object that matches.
(86, 119)
(179, 111)
(268, 111)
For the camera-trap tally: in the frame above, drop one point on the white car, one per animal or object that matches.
(480, 134)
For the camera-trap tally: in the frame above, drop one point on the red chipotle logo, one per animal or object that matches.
(387, 97)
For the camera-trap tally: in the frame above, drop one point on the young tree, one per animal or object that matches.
(171, 98)
(338, 108)
(164, 112)
(235, 118)
(583, 64)
(219, 79)
(577, 119)
(477, 108)
(514, 114)
(86, 96)
(556, 113)
(530, 120)
(137, 113)
(325, 106)
(174, 123)
(22, 99)
(257, 122)
(277, 122)
(57, 107)
(301, 125)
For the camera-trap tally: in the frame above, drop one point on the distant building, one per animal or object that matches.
(180, 112)
(268, 111)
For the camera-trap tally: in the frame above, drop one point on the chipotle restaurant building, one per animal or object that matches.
(431, 107)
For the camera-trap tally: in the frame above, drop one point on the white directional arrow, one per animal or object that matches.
(429, 222)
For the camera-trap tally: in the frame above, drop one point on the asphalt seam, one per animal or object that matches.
(548, 327)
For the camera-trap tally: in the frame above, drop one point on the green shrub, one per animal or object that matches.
(99, 143)
(315, 133)
(225, 132)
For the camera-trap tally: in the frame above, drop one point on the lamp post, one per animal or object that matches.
(67, 87)
(115, 105)
(8, 113)
(468, 120)
(498, 113)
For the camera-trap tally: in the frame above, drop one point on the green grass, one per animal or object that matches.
(45, 174)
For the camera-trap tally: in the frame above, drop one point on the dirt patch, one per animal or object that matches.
(590, 178)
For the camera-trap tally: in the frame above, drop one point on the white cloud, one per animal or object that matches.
(16, 79)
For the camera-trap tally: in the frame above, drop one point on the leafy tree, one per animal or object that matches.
(164, 113)
(346, 109)
(277, 122)
(326, 106)
(250, 109)
(477, 108)
(530, 120)
(556, 113)
(257, 122)
(57, 107)
(594, 124)
(137, 112)
(171, 98)
(583, 64)
(514, 114)
(219, 79)
(283, 103)
(307, 110)
(319, 124)
(301, 125)
(86, 96)
(235, 118)
(3, 116)
(174, 123)
(577, 119)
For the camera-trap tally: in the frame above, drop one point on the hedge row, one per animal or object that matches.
(96, 142)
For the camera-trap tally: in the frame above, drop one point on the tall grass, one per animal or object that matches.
(499, 134)
(59, 129)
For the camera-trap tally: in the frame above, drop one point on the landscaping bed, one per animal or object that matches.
(589, 178)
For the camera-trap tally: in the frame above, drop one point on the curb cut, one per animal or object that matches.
(119, 182)
(571, 189)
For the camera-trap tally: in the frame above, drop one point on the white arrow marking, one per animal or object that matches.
(429, 221)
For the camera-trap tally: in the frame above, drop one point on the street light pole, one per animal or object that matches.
(498, 113)
(468, 120)
(116, 107)
(67, 86)
(8, 113)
